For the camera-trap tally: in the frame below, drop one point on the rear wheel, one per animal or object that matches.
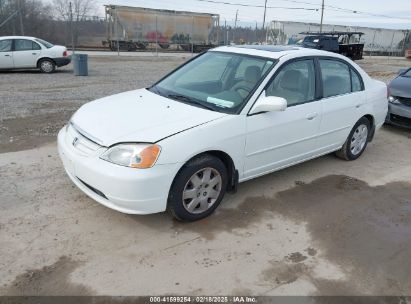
(357, 141)
(198, 188)
(47, 66)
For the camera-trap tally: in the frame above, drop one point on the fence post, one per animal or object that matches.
(192, 34)
(116, 30)
(372, 44)
(392, 41)
(156, 37)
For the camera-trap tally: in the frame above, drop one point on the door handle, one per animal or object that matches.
(7, 55)
(34, 53)
(311, 116)
(358, 106)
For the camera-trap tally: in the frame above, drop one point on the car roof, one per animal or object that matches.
(16, 37)
(273, 51)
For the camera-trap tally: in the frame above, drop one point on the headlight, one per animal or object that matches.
(393, 99)
(140, 156)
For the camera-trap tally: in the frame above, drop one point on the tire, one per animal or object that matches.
(47, 66)
(203, 183)
(357, 141)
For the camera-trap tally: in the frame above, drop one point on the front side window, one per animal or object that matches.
(5, 45)
(25, 45)
(218, 81)
(295, 82)
(336, 77)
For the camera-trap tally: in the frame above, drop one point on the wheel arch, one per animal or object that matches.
(228, 162)
(371, 119)
(43, 58)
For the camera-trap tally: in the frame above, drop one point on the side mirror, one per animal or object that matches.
(269, 104)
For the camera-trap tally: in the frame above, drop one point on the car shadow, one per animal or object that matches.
(398, 130)
(35, 72)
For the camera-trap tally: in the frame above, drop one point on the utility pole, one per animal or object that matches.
(226, 32)
(265, 11)
(322, 17)
(235, 25)
(256, 32)
(71, 28)
(21, 17)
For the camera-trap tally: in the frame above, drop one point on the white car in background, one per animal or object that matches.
(224, 117)
(20, 52)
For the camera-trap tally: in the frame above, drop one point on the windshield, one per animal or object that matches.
(217, 81)
(45, 43)
(407, 73)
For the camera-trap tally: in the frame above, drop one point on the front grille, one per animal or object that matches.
(79, 142)
(405, 101)
(400, 120)
(96, 191)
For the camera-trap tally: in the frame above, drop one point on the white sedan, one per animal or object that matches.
(228, 115)
(21, 52)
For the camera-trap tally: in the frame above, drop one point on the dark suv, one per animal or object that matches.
(322, 43)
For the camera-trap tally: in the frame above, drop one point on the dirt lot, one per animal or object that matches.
(325, 227)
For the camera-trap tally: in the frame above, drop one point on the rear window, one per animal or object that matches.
(45, 43)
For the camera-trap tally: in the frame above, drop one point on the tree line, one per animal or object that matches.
(60, 21)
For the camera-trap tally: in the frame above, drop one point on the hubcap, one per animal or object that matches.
(46, 66)
(359, 139)
(202, 190)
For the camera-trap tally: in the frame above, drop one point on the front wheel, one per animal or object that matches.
(198, 188)
(47, 66)
(357, 141)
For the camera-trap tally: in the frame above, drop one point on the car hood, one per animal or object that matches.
(138, 116)
(401, 87)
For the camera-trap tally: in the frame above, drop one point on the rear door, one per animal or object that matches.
(6, 54)
(342, 102)
(26, 53)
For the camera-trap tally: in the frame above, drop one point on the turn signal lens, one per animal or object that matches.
(148, 156)
(141, 156)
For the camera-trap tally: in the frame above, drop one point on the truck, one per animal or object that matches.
(135, 28)
(345, 43)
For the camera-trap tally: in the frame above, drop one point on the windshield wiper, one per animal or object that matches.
(189, 100)
(155, 90)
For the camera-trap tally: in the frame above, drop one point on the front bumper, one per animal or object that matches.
(399, 115)
(127, 190)
(62, 61)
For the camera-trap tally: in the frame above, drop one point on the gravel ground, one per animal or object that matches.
(35, 106)
(324, 227)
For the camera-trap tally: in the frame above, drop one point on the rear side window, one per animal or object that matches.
(336, 77)
(36, 46)
(356, 82)
(5, 45)
(25, 45)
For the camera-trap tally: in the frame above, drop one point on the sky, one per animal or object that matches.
(399, 11)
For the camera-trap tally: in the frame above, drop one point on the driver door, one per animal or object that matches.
(278, 139)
